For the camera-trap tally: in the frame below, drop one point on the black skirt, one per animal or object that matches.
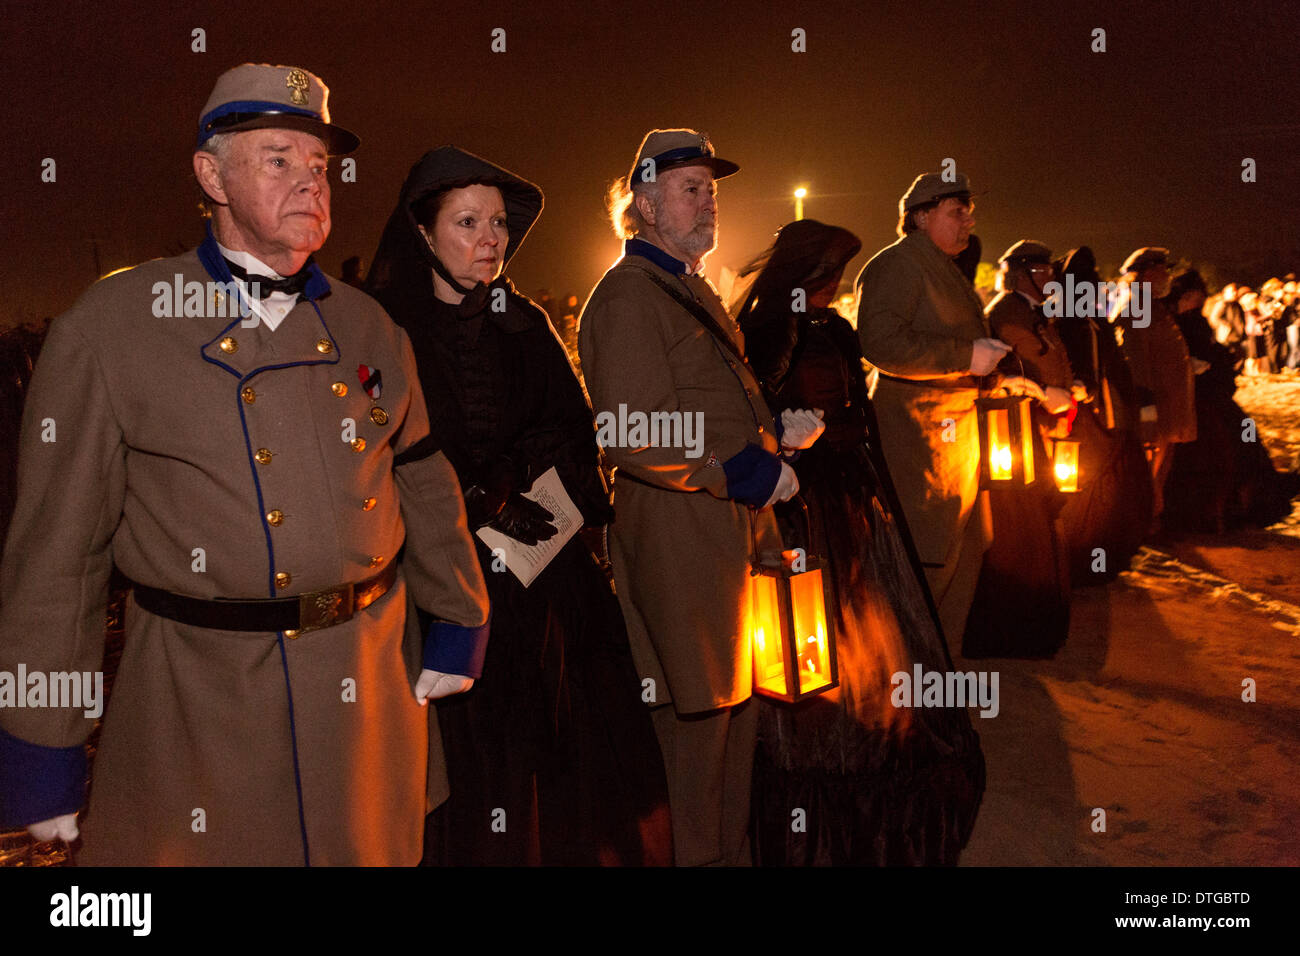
(877, 784)
(551, 756)
(1106, 520)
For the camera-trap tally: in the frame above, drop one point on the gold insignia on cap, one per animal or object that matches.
(378, 416)
(298, 86)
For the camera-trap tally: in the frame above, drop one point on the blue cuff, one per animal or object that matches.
(456, 649)
(39, 783)
(752, 475)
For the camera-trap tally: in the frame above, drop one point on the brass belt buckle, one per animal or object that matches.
(325, 608)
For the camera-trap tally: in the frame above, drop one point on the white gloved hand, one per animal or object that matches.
(1056, 400)
(435, 684)
(62, 828)
(986, 355)
(1019, 385)
(800, 428)
(787, 486)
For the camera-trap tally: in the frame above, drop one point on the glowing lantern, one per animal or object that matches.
(1006, 442)
(1065, 464)
(794, 649)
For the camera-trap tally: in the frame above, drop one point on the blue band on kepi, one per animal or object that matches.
(674, 156)
(209, 124)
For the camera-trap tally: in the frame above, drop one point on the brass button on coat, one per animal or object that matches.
(263, 456)
(339, 389)
(275, 519)
(228, 345)
(324, 346)
(378, 416)
(249, 395)
(358, 444)
(377, 560)
(369, 503)
(290, 633)
(282, 579)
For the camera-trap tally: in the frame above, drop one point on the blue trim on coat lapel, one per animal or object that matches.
(648, 250)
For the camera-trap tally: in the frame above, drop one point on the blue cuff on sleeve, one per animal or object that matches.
(752, 475)
(456, 649)
(39, 783)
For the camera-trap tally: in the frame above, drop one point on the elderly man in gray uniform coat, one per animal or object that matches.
(247, 442)
(657, 345)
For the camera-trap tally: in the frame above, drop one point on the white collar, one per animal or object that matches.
(249, 262)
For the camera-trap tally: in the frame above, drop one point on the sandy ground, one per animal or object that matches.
(1141, 713)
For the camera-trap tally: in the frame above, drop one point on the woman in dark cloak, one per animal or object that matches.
(1106, 519)
(554, 733)
(1220, 480)
(880, 784)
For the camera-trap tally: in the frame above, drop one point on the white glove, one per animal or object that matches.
(63, 828)
(1056, 400)
(986, 355)
(799, 429)
(1019, 385)
(787, 486)
(435, 684)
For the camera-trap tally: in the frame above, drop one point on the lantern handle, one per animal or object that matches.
(756, 557)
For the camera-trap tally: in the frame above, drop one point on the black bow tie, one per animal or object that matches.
(262, 286)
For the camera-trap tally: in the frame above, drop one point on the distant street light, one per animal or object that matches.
(798, 202)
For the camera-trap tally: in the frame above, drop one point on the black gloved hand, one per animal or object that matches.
(524, 520)
(486, 497)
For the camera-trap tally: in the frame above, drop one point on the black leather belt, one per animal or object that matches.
(293, 615)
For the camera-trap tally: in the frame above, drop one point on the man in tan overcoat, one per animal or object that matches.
(246, 440)
(922, 325)
(655, 338)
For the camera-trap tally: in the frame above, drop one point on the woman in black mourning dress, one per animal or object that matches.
(554, 733)
(880, 784)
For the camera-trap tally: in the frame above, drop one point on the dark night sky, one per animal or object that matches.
(1141, 145)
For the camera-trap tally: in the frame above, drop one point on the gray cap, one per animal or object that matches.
(1027, 250)
(931, 187)
(1146, 258)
